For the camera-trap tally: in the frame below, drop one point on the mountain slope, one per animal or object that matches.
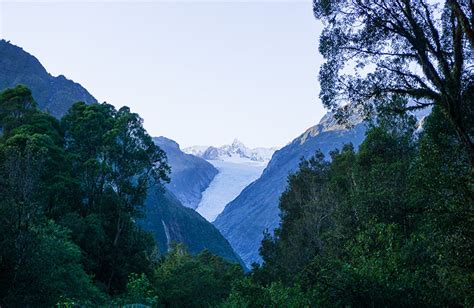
(54, 94)
(170, 221)
(190, 175)
(256, 209)
(165, 217)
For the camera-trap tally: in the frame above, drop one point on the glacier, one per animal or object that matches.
(237, 165)
(234, 175)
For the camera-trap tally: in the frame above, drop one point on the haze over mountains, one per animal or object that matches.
(190, 175)
(368, 205)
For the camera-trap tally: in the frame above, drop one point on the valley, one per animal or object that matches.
(232, 178)
(237, 165)
(369, 203)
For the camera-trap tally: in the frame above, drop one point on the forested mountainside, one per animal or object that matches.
(347, 225)
(53, 94)
(383, 226)
(71, 194)
(377, 215)
(73, 212)
(171, 222)
(255, 210)
(190, 175)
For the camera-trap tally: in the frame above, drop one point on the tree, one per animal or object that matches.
(446, 197)
(70, 195)
(384, 226)
(15, 103)
(39, 264)
(139, 291)
(115, 162)
(183, 280)
(415, 49)
(305, 215)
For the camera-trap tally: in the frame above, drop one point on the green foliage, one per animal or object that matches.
(115, 162)
(246, 293)
(70, 193)
(15, 104)
(304, 213)
(42, 266)
(139, 290)
(421, 50)
(39, 264)
(182, 280)
(387, 226)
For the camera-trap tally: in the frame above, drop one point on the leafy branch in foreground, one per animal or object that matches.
(417, 49)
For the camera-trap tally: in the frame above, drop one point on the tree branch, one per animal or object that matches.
(463, 20)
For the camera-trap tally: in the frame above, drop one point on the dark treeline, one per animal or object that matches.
(390, 224)
(71, 192)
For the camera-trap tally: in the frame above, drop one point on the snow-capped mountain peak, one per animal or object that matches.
(234, 151)
(238, 144)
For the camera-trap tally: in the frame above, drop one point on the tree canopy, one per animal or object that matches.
(70, 192)
(422, 50)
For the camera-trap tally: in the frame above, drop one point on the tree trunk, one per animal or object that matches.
(463, 136)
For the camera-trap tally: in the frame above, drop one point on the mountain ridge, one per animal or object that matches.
(235, 150)
(57, 95)
(53, 94)
(244, 220)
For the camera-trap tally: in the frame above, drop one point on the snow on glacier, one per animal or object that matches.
(235, 173)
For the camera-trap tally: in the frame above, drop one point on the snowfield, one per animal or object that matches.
(235, 173)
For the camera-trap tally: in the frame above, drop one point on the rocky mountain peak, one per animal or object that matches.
(235, 151)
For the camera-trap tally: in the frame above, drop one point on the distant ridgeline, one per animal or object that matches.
(167, 218)
(53, 94)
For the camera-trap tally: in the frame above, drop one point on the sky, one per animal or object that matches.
(198, 72)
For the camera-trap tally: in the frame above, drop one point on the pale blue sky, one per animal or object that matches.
(199, 72)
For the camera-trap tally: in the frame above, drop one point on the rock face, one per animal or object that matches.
(53, 94)
(190, 175)
(244, 220)
(170, 221)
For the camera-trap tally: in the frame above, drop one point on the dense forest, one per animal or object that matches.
(71, 193)
(390, 223)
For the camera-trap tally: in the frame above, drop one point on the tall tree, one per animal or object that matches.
(414, 48)
(39, 265)
(14, 105)
(115, 162)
